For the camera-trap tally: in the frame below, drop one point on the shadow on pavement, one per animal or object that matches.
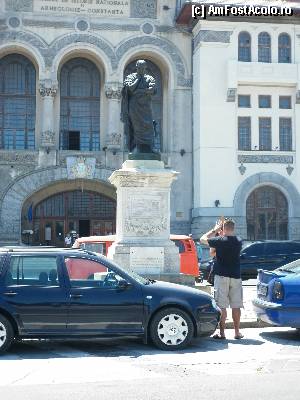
(214, 344)
(280, 337)
(122, 347)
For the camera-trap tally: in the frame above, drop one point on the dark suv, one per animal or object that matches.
(68, 293)
(267, 255)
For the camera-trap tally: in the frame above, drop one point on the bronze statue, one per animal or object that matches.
(136, 110)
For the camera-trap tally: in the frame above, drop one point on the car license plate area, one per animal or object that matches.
(262, 290)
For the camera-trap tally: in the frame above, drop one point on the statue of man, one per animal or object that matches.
(136, 110)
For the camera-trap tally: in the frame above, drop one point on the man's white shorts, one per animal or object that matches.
(228, 292)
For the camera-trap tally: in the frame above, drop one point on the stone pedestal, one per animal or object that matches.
(143, 220)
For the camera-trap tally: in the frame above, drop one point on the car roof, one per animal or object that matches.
(42, 250)
(275, 241)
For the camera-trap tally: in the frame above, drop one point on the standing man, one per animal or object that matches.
(68, 240)
(227, 282)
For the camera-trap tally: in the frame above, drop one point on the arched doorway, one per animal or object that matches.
(86, 212)
(157, 99)
(80, 106)
(267, 214)
(17, 103)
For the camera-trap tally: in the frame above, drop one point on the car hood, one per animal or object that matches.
(174, 289)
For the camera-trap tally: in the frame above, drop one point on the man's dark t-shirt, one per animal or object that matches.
(227, 255)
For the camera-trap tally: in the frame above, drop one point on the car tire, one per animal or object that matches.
(6, 334)
(171, 329)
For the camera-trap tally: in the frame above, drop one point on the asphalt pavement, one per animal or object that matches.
(264, 365)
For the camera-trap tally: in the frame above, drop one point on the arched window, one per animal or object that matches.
(264, 47)
(80, 106)
(157, 99)
(267, 214)
(86, 212)
(17, 103)
(284, 48)
(244, 47)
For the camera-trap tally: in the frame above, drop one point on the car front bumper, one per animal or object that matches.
(207, 321)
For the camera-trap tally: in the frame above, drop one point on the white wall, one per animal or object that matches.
(216, 69)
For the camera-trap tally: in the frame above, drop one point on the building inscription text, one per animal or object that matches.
(104, 8)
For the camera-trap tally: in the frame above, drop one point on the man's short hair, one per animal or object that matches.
(229, 224)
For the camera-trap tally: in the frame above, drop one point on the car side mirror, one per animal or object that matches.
(242, 255)
(123, 284)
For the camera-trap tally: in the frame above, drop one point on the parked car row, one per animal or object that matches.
(48, 293)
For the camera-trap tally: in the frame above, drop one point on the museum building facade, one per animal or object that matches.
(62, 66)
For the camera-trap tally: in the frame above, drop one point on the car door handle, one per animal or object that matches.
(76, 296)
(10, 294)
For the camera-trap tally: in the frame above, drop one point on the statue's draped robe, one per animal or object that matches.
(136, 111)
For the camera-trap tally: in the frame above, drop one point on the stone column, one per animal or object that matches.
(48, 90)
(113, 94)
(47, 153)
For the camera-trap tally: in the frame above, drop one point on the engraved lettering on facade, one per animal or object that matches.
(95, 8)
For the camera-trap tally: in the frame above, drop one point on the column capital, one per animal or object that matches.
(113, 90)
(48, 87)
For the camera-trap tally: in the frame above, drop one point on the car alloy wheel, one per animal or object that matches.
(6, 334)
(3, 334)
(171, 329)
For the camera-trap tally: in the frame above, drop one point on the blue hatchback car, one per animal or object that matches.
(68, 293)
(278, 296)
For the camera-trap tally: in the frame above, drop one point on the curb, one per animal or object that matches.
(251, 323)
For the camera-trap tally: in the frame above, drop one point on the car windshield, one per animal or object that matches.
(293, 267)
(132, 274)
(247, 244)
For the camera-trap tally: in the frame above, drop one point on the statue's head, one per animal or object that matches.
(141, 67)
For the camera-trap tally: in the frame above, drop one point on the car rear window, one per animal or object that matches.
(275, 248)
(293, 247)
(282, 248)
(32, 271)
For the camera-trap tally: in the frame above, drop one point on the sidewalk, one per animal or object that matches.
(248, 318)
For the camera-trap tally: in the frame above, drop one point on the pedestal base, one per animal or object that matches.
(143, 242)
(146, 258)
